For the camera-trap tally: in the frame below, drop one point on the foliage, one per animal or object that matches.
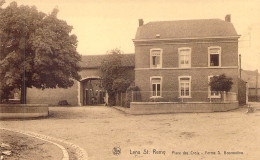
(36, 50)
(133, 88)
(113, 74)
(221, 83)
(121, 84)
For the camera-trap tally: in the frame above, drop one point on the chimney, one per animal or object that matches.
(141, 22)
(228, 18)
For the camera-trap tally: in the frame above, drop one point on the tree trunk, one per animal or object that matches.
(23, 94)
(111, 99)
(0, 96)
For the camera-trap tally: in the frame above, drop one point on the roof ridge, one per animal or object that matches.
(185, 20)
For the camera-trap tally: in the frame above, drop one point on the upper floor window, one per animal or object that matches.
(214, 56)
(184, 57)
(156, 58)
(212, 94)
(156, 84)
(185, 86)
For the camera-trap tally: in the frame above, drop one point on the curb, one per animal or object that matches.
(81, 154)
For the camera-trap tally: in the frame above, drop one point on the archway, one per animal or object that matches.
(91, 91)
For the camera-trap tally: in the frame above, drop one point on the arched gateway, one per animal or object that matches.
(91, 91)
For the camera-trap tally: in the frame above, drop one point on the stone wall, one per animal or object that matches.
(23, 111)
(175, 107)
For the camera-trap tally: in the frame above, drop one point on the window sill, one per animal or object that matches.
(185, 67)
(156, 97)
(214, 97)
(186, 97)
(155, 67)
(214, 66)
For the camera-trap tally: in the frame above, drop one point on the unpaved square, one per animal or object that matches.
(222, 135)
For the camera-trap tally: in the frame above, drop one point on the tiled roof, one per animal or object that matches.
(186, 29)
(94, 61)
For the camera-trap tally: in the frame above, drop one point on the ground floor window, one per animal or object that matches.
(184, 86)
(156, 85)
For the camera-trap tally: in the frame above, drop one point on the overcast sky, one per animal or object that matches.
(101, 25)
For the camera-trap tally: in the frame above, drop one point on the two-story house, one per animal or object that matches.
(174, 60)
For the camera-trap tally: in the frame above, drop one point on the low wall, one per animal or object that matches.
(177, 107)
(23, 110)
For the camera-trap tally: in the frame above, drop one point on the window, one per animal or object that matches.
(156, 83)
(156, 58)
(212, 94)
(184, 57)
(185, 86)
(214, 56)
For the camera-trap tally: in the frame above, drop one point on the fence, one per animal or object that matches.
(124, 99)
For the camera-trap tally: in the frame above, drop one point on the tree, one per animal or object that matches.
(221, 83)
(36, 50)
(113, 75)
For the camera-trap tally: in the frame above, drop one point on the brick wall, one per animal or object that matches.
(170, 59)
(199, 54)
(170, 82)
(53, 96)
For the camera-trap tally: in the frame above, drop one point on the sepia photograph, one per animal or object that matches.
(129, 80)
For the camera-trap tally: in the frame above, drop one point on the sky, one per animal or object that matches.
(102, 25)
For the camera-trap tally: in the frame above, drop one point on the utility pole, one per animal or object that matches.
(256, 85)
(240, 67)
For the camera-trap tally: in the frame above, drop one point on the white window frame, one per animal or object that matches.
(151, 59)
(217, 47)
(180, 77)
(151, 86)
(209, 90)
(189, 58)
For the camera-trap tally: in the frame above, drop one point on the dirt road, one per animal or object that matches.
(223, 135)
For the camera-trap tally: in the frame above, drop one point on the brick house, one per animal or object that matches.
(174, 60)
